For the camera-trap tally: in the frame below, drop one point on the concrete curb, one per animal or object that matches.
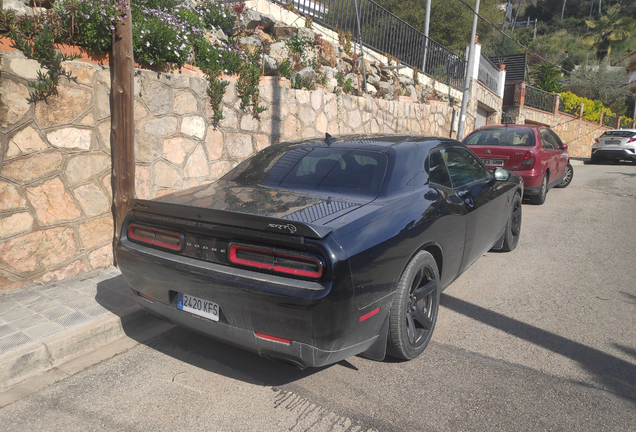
(40, 356)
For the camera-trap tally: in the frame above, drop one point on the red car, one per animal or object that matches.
(534, 152)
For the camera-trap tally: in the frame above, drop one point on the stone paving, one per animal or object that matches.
(32, 314)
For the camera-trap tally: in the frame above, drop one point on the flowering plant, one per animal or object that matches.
(215, 14)
(91, 22)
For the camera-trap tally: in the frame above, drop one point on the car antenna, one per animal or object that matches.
(329, 139)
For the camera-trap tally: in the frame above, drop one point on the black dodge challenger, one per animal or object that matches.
(312, 252)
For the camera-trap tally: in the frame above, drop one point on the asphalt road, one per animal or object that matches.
(542, 338)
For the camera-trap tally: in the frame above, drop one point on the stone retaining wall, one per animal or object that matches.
(55, 160)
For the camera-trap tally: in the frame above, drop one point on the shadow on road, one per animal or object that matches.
(198, 350)
(617, 375)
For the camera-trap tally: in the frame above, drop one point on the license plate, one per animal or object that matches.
(197, 306)
(493, 162)
(612, 142)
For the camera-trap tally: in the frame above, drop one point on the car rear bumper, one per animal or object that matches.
(531, 181)
(299, 354)
(616, 154)
(321, 324)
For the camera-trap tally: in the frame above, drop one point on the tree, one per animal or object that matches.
(451, 21)
(607, 31)
(602, 82)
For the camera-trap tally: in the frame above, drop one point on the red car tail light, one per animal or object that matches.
(277, 261)
(528, 161)
(597, 141)
(156, 237)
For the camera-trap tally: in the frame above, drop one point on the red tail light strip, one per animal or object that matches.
(154, 236)
(274, 265)
(273, 338)
(369, 315)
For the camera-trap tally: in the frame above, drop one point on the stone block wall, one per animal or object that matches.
(55, 157)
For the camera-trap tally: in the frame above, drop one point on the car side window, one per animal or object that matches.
(437, 172)
(556, 139)
(546, 140)
(463, 167)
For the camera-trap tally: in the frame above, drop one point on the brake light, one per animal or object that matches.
(528, 161)
(631, 140)
(156, 237)
(277, 261)
(597, 141)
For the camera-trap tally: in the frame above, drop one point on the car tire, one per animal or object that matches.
(513, 225)
(540, 199)
(567, 177)
(414, 310)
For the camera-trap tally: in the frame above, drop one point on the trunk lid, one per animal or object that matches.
(256, 207)
(616, 139)
(508, 157)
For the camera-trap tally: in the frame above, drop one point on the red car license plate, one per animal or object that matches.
(493, 162)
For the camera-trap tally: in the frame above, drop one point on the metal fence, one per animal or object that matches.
(385, 33)
(539, 99)
(488, 74)
(609, 121)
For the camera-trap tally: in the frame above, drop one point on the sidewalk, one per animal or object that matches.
(44, 326)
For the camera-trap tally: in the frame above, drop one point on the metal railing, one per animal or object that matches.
(539, 99)
(385, 33)
(563, 109)
(609, 121)
(488, 74)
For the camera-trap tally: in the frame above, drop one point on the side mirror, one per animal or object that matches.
(502, 174)
(564, 146)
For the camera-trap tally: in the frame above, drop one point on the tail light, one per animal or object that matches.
(528, 161)
(631, 140)
(276, 261)
(597, 141)
(157, 237)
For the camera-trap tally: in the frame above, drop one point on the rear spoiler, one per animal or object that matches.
(234, 219)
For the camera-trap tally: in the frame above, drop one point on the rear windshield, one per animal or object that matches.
(357, 172)
(619, 134)
(501, 137)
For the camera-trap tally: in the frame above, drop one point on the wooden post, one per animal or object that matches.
(122, 131)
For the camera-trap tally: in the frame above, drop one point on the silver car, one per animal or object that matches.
(615, 145)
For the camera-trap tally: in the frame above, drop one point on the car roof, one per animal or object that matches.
(620, 130)
(371, 142)
(513, 126)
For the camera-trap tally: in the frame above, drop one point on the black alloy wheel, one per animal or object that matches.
(567, 177)
(414, 310)
(513, 226)
(540, 199)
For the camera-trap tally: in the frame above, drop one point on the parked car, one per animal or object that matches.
(615, 145)
(534, 152)
(312, 252)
